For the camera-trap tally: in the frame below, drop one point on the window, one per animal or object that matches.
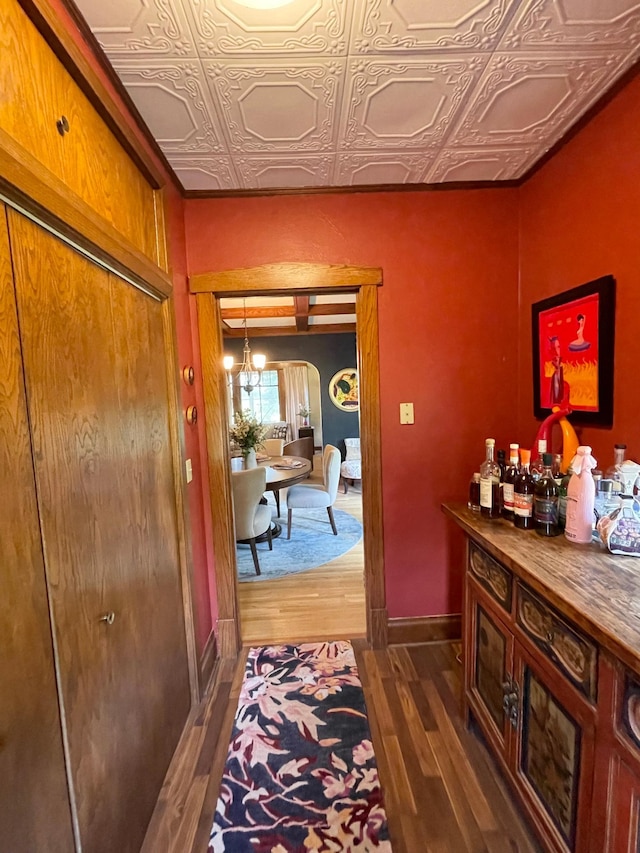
(263, 402)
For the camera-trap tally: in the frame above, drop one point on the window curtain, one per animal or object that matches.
(296, 391)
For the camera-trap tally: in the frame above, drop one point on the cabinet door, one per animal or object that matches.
(553, 759)
(623, 816)
(34, 804)
(98, 404)
(489, 666)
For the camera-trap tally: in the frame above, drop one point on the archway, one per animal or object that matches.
(291, 279)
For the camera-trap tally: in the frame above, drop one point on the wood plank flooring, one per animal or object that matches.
(328, 601)
(442, 792)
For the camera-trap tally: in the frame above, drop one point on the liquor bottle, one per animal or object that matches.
(502, 463)
(523, 493)
(509, 478)
(562, 498)
(537, 465)
(613, 471)
(581, 493)
(545, 501)
(490, 483)
(474, 493)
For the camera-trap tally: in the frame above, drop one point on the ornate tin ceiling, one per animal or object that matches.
(336, 93)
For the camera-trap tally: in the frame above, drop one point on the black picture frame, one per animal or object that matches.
(555, 314)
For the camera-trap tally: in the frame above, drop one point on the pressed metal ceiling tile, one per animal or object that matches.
(322, 93)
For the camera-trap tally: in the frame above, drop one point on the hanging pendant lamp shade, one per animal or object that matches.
(249, 374)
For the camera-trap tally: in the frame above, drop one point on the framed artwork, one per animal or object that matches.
(343, 390)
(573, 341)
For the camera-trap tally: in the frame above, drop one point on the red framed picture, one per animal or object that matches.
(573, 346)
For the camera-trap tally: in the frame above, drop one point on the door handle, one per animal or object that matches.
(109, 618)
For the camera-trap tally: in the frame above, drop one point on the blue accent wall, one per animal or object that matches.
(329, 353)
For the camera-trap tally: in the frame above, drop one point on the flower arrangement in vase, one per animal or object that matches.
(247, 433)
(303, 414)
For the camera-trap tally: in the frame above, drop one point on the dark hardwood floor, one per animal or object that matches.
(442, 792)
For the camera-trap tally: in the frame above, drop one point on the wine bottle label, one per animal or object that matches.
(507, 495)
(546, 510)
(486, 493)
(523, 505)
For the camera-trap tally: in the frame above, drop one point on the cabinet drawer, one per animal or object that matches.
(497, 580)
(35, 93)
(569, 650)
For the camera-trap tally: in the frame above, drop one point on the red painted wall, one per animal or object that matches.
(580, 219)
(449, 262)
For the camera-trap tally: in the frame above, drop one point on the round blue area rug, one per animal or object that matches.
(311, 545)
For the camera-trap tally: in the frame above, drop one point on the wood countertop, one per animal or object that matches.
(598, 591)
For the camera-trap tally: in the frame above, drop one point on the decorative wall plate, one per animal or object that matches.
(343, 390)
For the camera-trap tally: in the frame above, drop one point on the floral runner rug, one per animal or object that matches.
(300, 773)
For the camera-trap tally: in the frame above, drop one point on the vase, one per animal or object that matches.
(249, 457)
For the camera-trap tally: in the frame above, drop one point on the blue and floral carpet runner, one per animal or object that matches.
(300, 773)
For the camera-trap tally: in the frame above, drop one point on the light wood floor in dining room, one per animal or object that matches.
(328, 601)
(442, 792)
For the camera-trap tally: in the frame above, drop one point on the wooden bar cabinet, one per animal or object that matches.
(552, 680)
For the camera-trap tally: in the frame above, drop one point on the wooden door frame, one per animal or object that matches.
(299, 278)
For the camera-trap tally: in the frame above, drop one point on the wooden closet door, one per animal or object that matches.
(98, 404)
(34, 804)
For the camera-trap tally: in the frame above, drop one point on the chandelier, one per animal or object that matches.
(249, 375)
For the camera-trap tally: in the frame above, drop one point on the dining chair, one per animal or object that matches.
(317, 495)
(272, 446)
(251, 517)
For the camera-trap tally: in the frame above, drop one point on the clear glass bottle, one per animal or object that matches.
(513, 469)
(537, 464)
(490, 483)
(613, 471)
(545, 500)
(474, 493)
(523, 493)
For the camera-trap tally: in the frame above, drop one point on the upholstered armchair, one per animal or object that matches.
(251, 517)
(351, 468)
(315, 496)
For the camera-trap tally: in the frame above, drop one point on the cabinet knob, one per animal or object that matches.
(550, 636)
(109, 618)
(191, 415)
(63, 125)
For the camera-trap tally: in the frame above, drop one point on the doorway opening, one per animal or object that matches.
(310, 586)
(300, 280)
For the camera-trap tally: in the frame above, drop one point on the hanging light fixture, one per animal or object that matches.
(249, 375)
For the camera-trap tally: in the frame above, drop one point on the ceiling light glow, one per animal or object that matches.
(263, 4)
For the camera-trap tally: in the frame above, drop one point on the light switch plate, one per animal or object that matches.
(189, 469)
(406, 413)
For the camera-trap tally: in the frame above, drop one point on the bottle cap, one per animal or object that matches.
(514, 447)
(525, 456)
(542, 445)
(490, 441)
(547, 458)
(476, 477)
(620, 446)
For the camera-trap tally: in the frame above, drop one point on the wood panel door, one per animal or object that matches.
(34, 805)
(97, 396)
